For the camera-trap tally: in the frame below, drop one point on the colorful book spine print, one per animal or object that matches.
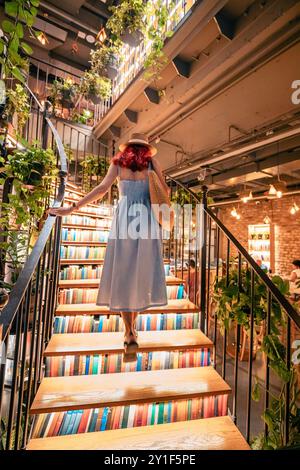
(103, 419)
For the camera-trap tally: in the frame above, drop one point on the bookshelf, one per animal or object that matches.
(260, 244)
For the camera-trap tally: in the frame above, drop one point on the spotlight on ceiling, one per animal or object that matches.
(41, 36)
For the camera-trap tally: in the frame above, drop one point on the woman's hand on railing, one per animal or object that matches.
(60, 211)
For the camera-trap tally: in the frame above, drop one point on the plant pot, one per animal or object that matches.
(132, 39)
(112, 67)
(4, 297)
(95, 99)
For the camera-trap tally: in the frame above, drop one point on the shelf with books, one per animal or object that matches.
(260, 244)
(114, 323)
(58, 366)
(119, 417)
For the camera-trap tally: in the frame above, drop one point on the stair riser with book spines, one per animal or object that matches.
(102, 419)
(57, 366)
(114, 323)
(68, 273)
(85, 295)
(78, 235)
(82, 252)
(75, 219)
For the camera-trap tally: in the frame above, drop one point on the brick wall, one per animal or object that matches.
(286, 227)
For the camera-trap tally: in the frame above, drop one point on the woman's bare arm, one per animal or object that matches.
(158, 171)
(97, 193)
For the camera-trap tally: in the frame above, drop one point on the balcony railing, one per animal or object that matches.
(134, 58)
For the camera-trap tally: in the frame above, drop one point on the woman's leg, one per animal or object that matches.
(129, 323)
(133, 319)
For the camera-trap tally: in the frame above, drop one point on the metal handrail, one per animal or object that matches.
(17, 294)
(281, 299)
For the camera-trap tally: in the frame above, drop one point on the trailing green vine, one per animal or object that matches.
(13, 49)
(233, 306)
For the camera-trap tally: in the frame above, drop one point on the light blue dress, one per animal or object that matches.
(133, 275)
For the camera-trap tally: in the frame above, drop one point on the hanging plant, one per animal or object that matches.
(127, 21)
(157, 33)
(95, 87)
(17, 103)
(94, 169)
(63, 93)
(106, 59)
(12, 46)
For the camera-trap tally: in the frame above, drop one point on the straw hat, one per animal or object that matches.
(140, 139)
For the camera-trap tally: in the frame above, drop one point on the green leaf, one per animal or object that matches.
(19, 30)
(35, 3)
(8, 26)
(17, 74)
(26, 48)
(11, 8)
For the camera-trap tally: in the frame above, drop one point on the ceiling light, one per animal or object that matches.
(235, 214)
(245, 196)
(41, 36)
(101, 36)
(267, 220)
(294, 209)
(277, 189)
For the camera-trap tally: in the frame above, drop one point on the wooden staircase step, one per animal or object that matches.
(173, 306)
(200, 434)
(86, 243)
(93, 391)
(112, 343)
(91, 283)
(64, 261)
(86, 227)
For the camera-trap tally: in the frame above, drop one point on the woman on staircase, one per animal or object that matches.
(133, 277)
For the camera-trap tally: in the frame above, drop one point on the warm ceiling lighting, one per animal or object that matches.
(245, 196)
(101, 36)
(41, 36)
(267, 220)
(294, 209)
(277, 189)
(235, 214)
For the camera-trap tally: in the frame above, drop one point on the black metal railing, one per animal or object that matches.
(222, 270)
(26, 321)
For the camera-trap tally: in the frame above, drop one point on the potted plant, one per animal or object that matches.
(17, 103)
(94, 168)
(95, 87)
(63, 92)
(105, 60)
(127, 21)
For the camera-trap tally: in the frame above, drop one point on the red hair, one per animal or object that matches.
(135, 157)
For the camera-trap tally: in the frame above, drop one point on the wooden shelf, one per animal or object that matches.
(93, 391)
(112, 343)
(173, 306)
(64, 261)
(94, 283)
(86, 227)
(86, 243)
(200, 434)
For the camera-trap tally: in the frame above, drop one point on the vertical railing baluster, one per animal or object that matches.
(251, 338)
(23, 366)
(267, 375)
(237, 345)
(203, 259)
(13, 396)
(287, 385)
(182, 240)
(215, 339)
(208, 276)
(225, 330)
